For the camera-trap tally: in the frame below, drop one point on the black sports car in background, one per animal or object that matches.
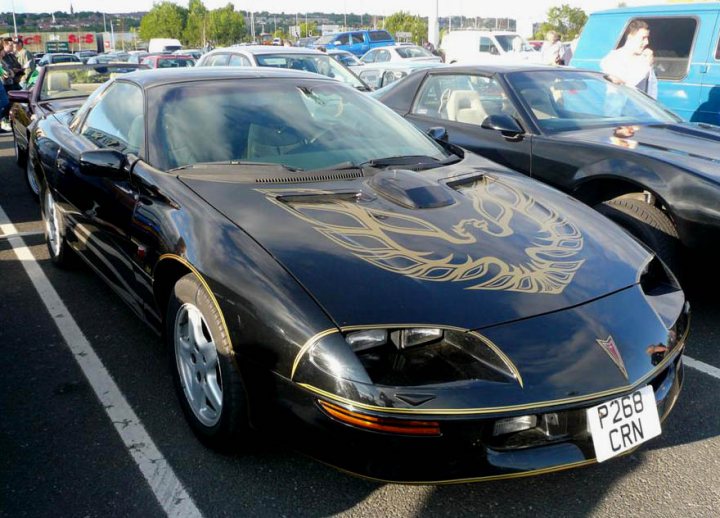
(57, 87)
(408, 311)
(608, 145)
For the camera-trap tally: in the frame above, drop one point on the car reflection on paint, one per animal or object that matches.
(317, 264)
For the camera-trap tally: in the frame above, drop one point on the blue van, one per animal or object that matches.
(357, 42)
(684, 39)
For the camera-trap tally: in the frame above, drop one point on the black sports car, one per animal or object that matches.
(608, 145)
(319, 266)
(57, 87)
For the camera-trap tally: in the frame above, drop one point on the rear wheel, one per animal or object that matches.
(208, 383)
(647, 223)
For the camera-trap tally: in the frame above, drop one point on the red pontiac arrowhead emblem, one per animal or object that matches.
(612, 350)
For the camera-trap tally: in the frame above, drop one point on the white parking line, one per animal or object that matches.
(169, 491)
(702, 367)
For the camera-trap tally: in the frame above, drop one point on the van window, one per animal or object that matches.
(486, 44)
(671, 41)
(379, 36)
(357, 37)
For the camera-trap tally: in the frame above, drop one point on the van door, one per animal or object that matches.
(708, 109)
(358, 43)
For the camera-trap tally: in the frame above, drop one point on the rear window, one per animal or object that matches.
(671, 41)
(379, 36)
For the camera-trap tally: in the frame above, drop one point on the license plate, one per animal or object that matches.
(623, 423)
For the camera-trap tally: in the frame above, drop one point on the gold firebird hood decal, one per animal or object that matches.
(378, 236)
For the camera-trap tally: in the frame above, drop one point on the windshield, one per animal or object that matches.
(513, 43)
(315, 63)
(60, 83)
(563, 101)
(324, 40)
(298, 123)
(414, 52)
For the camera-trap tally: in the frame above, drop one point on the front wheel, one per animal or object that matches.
(20, 157)
(60, 252)
(647, 223)
(207, 380)
(31, 176)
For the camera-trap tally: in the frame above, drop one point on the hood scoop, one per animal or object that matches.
(410, 189)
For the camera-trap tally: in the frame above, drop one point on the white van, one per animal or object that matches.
(471, 46)
(168, 45)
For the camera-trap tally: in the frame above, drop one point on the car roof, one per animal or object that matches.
(158, 77)
(266, 49)
(500, 69)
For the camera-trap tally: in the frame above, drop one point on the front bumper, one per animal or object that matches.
(466, 450)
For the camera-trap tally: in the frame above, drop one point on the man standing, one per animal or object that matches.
(552, 51)
(12, 66)
(632, 64)
(25, 58)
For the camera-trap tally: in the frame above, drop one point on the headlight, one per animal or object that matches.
(363, 340)
(416, 336)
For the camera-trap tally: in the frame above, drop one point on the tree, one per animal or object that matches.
(308, 29)
(225, 26)
(194, 33)
(165, 20)
(405, 22)
(565, 20)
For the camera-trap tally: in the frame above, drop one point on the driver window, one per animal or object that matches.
(383, 56)
(370, 57)
(116, 121)
(357, 37)
(486, 45)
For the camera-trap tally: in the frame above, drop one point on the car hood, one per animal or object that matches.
(469, 245)
(692, 145)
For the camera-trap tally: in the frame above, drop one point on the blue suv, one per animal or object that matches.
(684, 40)
(357, 42)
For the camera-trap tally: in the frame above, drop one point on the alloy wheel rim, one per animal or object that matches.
(198, 366)
(51, 224)
(31, 177)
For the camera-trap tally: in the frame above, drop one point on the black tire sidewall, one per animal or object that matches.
(189, 289)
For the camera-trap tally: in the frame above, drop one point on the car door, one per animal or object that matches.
(359, 44)
(709, 107)
(370, 57)
(102, 204)
(461, 103)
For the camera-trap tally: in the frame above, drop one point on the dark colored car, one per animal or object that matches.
(168, 61)
(317, 264)
(58, 87)
(84, 55)
(55, 58)
(608, 145)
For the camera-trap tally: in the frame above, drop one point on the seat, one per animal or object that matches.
(540, 103)
(466, 106)
(58, 82)
(266, 141)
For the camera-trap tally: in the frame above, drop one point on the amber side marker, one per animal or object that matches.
(380, 424)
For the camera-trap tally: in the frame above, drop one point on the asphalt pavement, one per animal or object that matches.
(64, 451)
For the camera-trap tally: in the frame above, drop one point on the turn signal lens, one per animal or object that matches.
(415, 336)
(362, 340)
(380, 424)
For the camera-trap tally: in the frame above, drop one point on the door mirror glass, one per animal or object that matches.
(438, 133)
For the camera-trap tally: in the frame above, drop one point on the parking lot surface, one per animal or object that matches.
(65, 452)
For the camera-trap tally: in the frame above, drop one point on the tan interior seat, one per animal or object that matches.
(58, 82)
(466, 106)
(540, 103)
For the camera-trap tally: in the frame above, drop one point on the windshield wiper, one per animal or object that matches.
(237, 162)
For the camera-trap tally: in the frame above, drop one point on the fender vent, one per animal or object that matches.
(305, 178)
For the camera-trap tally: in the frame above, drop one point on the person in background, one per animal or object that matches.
(26, 60)
(4, 101)
(552, 50)
(632, 64)
(11, 64)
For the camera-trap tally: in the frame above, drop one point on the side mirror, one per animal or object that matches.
(438, 133)
(337, 42)
(105, 163)
(19, 96)
(505, 124)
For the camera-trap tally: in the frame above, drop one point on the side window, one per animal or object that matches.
(357, 37)
(238, 60)
(344, 39)
(370, 57)
(671, 40)
(485, 44)
(117, 121)
(469, 99)
(383, 56)
(218, 60)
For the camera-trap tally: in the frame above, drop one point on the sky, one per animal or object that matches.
(485, 8)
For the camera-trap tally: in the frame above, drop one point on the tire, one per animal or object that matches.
(207, 380)
(31, 179)
(20, 158)
(60, 252)
(647, 223)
